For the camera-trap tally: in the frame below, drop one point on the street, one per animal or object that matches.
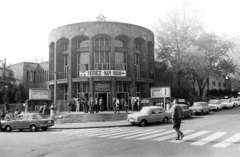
(213, 135)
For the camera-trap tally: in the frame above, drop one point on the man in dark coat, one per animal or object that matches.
(177, 117)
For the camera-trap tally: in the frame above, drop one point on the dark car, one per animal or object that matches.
(32, 121)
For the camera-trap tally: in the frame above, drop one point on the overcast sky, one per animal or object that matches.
(25, 24)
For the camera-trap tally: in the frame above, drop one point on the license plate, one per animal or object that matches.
(49, 121)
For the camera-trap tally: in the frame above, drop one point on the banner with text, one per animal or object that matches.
(90, 73)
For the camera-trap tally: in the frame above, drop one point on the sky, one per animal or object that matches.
(25, 24)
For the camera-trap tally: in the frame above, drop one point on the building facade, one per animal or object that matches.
(31, 75)
(101, 59)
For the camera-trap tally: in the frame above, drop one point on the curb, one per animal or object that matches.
(93, 127)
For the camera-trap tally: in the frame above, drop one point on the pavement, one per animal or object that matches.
(91, 124)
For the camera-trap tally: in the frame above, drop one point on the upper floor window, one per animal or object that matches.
(102, 42)
(121, 61)
(136, 45)
(101, 60)
(119, 42)
(84, 42)
(83, 61)
(65, 46)
(66, 67)
(136, 65)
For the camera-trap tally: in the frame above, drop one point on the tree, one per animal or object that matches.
(209, 56)
(175, 34)
(21, 94)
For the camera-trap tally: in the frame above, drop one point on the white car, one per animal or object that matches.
(200, 107)
(215, 105)
(236, 101)
(227, 103)
(149, 114)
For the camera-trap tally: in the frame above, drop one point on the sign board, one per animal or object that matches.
(144, 101)
(181, 100)
(90, 73)
(160, 92)
(39, 94)
(102, 87)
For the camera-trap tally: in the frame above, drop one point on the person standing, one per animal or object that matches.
(135, 106)
(177, 118)
(114, 105)
(122, 103)
(52, 113)
(117, 104)
(90, 104)
(78, 105)
(96, 105)
(101, 104)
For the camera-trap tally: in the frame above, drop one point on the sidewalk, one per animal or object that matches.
(122, 123)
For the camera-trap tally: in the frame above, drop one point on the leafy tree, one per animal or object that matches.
(21, 94)
(174, 35)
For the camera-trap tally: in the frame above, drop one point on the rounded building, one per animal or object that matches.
(101, 59)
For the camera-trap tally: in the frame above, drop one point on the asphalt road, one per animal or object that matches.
(213, 135)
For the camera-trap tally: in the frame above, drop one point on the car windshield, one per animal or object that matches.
(213, 101)
(145, 110)
(37, 116)
(198, 104)
(224, 100)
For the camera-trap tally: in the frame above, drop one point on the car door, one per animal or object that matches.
(16, 124)
(153, 116)
(26, 121)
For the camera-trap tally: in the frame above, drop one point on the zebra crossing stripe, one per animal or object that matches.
(155, 135)
(69, 131)
(228, 141)
(139, 135)
(134, 133)
(208, 139)
(190, 137)
(105, 132)
(73, 132)
(171, 136)
(118, 133)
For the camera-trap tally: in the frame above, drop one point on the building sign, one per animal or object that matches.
(160, 92)
(90, 73)
(102, 87)
(39, 94)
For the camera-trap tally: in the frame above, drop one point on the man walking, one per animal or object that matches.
(101, 104)
(177, 117)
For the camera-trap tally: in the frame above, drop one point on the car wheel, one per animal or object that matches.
(33, 128)
(44, 128)
(165, 120)
(133, 123)
(143, 123)
(190, 115)
(8, 128)
(20, 129)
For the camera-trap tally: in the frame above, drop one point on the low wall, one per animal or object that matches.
(12, 107)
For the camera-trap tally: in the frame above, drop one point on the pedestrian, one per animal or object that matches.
(122, 103)
(168, 106)
(101, 104)
(96, 105)
(44, 107)
(2, 115)
(41, 108)
(78, 105)
(90, 104)
(114, 105)
(177, 117)
(8, 116)
(70, 105)
(135, 105)
(126, 106)
(16, 113)
(52, 113)
(117, 103)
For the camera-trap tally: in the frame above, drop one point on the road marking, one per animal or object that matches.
(171, 136)
(190, 136)
(139, 135)
(228, 141)
(208, 139)
(156, 135)
(134, 133)
(105, 132)
(118, 133)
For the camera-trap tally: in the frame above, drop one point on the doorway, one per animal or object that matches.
(105, 99)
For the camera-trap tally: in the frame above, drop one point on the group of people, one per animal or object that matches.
(8, 115)
(87, 106)
(119, 104)
(41, 108)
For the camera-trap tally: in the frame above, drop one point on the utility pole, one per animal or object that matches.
(4, 72)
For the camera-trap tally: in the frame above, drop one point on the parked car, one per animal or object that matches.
(186, 111)
(235, 101)
(227, 103)
(200, 107)
(215, 104)
(32, 121)
(149, 114)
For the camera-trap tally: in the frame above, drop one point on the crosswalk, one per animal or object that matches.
(193, 137)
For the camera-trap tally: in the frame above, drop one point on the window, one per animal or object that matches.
(102, 42)
(136, 45)
(101, 60)
(122, 87)
(136, 65)
(119, 42)
(213, 83)
(66, 66)
(65, 92)
(120, 61)
(27, 77)
(83, 61)
(83, 87)
(65, 46)
(84, 42)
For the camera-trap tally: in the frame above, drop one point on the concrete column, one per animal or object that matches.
(112, 54)
(55, 74)
(130, 68)
(70, 70)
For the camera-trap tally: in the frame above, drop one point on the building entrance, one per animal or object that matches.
(105, 97)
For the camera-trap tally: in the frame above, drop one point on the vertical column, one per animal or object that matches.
(130, 62)
(112, 67)
(70, 70)
(91, 65)
(55, 74)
